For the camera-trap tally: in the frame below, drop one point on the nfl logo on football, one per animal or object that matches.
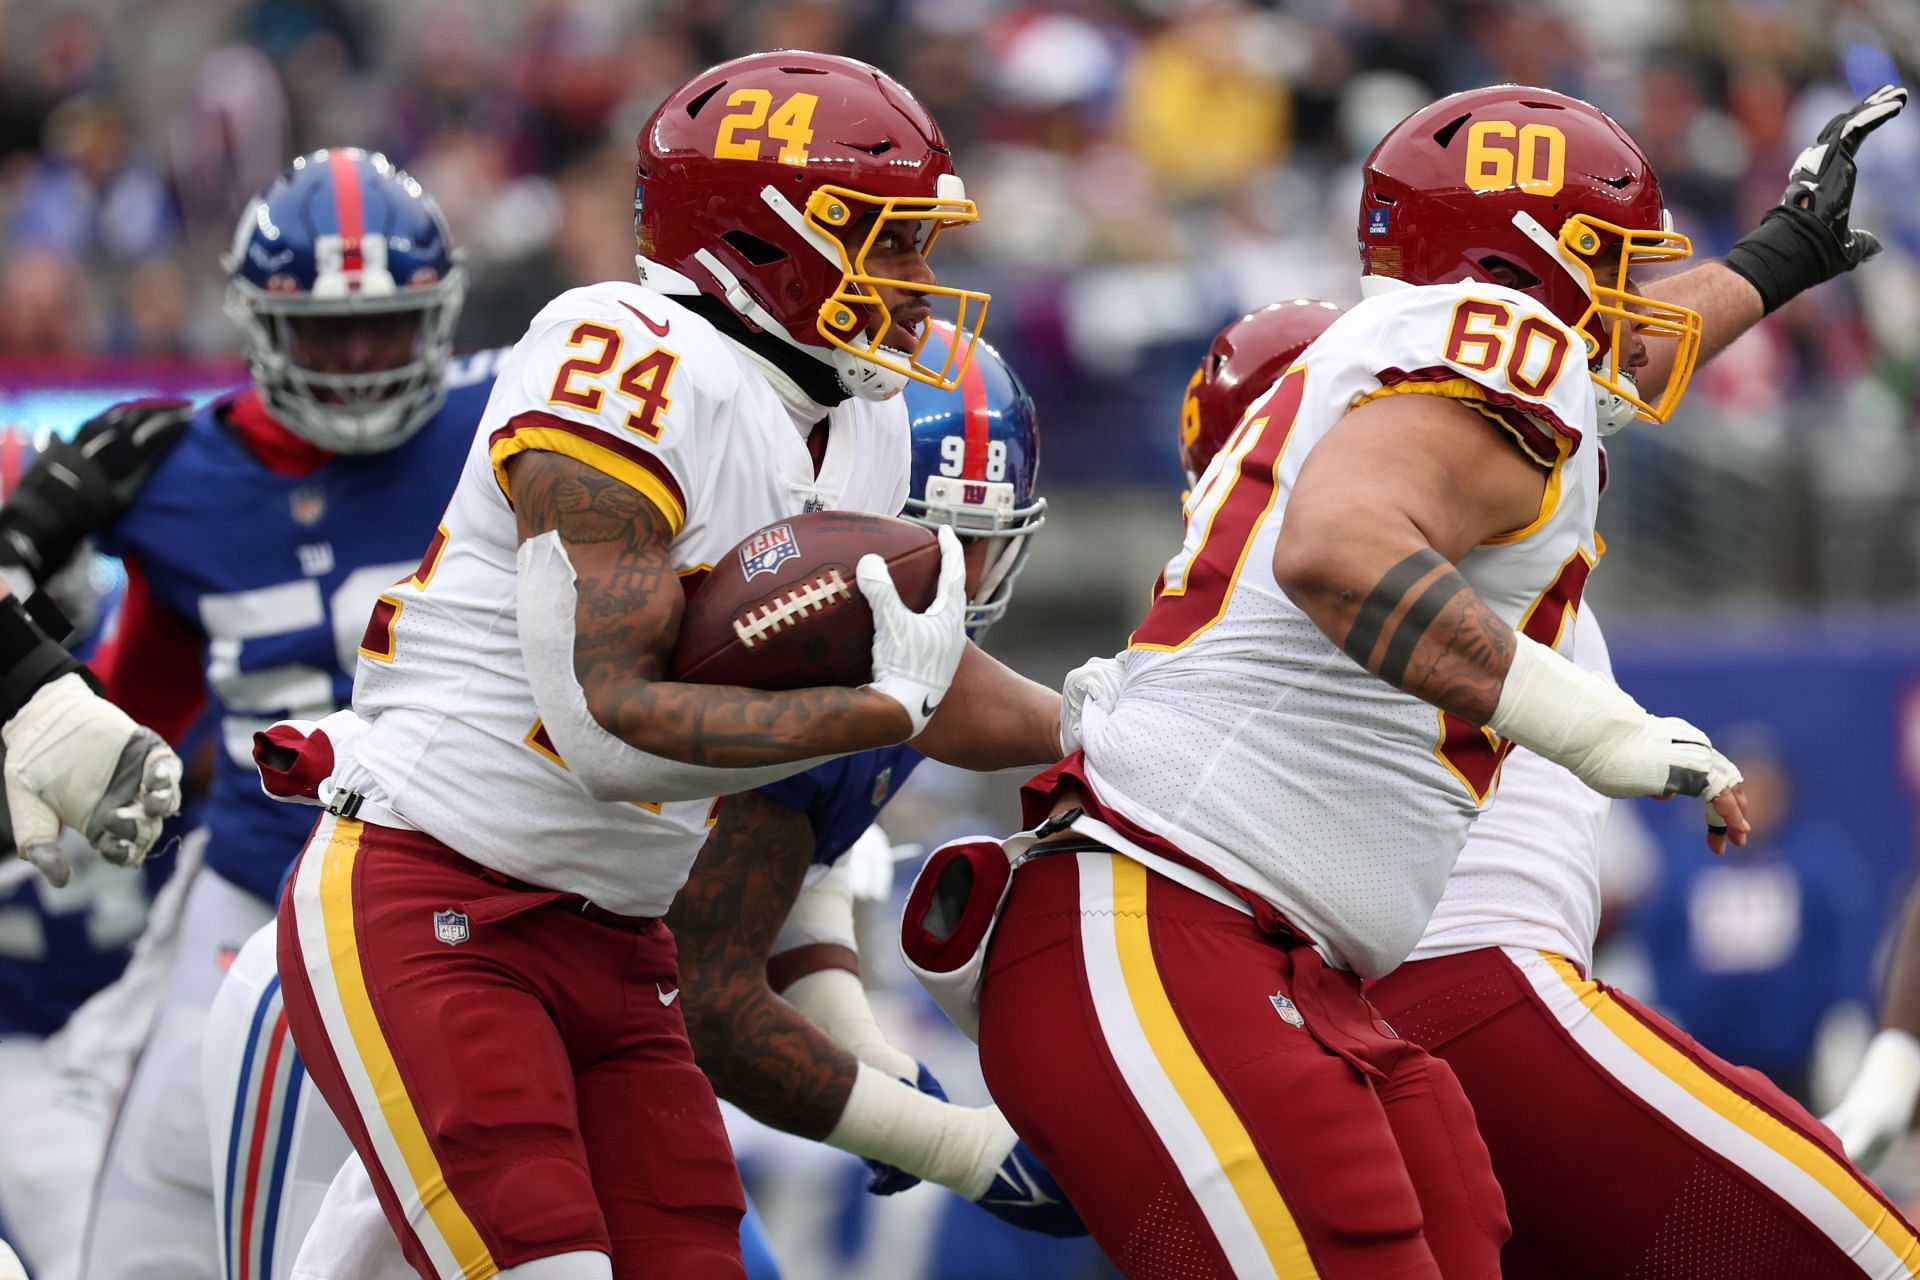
(767, 550)
(451, 927)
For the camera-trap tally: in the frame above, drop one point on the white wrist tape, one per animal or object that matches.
(885, 1119)
(821, 914)
(1586, 724)
(836, 1002)
(608, 768)
(1890, 1068)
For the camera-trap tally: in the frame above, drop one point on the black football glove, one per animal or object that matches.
(77, 487)
(1806, 238)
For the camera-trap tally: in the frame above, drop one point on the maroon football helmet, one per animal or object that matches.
(1245, 360)
(1547, 185)
(766, 181)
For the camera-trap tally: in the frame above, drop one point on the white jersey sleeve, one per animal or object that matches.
(599, 379)
(1493, 348)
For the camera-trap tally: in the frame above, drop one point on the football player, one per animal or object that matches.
(1564, 1072)
(1373, 585)
(471, 951)
(1692, 1161)
(769, 976)
(767, 910)
(257, 532)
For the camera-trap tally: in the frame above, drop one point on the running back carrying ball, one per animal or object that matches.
(782, 611)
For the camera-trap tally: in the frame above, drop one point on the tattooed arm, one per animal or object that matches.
(1399, 490)
(628, 618)
(761, 1053)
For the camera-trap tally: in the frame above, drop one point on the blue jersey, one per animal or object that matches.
(278, 574)
(841, 798)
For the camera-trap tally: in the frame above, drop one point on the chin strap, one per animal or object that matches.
(858, 377)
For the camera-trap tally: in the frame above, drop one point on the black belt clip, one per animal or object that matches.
(1059, 822)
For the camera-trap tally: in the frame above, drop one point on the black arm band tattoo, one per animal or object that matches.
(1384, 599)
(1420, 615)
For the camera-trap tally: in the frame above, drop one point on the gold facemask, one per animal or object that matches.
(1626, 312)
(845, 313)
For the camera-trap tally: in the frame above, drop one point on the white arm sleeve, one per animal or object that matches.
(608, 768)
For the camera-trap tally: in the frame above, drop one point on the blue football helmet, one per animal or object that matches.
(342, 233)
(976, 458)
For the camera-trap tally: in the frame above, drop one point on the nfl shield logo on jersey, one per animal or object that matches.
(767, 550)
(1288, 1012)
(451, 927)
(308, 505)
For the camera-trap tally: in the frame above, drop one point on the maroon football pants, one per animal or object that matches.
(1214, 1099)
(1625, 1148)
(510, 1064)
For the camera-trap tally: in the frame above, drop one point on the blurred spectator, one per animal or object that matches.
(586, 217)
(1753, 952)
(89, 195)
(1200, 109)
(45, 306)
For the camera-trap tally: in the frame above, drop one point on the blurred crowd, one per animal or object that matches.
(1146, 170)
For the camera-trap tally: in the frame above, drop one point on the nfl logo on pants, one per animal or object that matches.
(450, 927)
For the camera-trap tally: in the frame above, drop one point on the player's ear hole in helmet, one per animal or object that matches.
(807, 192)
(1552, 189)
(347, 286)
(976, 461)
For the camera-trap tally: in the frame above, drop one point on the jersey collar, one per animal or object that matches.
(278, 449)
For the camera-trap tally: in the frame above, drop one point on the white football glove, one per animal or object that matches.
(1878, 1108)
(916, 654)
(75, 758)
(1610, 742)
(1096, 680)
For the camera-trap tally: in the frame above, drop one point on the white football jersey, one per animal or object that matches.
(641, 388)
(1530, 873)
(1250, 740)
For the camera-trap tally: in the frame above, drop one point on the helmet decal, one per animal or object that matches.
(976, 461)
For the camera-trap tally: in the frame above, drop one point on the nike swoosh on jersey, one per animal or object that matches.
(666, 997)
(659, 327)
(927, 707)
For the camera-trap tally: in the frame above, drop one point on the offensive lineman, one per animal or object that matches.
(460, 940)
(1568, 1073)
(1376, 570)
(1688, 1161)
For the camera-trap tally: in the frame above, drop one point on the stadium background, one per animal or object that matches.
(1145, 171)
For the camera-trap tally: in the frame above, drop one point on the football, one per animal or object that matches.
(782, 610)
